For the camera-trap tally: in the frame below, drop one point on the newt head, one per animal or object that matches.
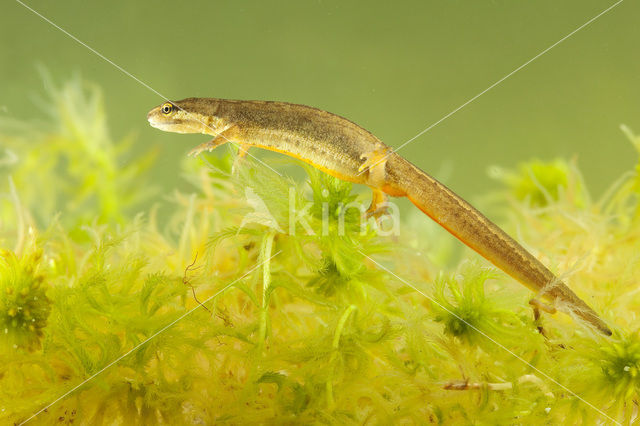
(190, 115)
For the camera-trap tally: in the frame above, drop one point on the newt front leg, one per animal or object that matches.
(220, 137)
(207, 146)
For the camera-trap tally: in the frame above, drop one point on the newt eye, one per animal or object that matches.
(167, 108)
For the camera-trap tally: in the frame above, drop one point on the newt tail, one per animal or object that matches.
(483, 236)
(347, 151)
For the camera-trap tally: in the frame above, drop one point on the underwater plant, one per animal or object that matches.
(262, 299)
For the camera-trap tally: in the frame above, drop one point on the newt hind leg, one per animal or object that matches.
(378, 207)
(538, 306)
(375, 163)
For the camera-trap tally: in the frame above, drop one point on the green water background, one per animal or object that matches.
(393, 67)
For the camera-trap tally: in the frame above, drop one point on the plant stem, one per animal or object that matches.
(335, 344)
(265, 254)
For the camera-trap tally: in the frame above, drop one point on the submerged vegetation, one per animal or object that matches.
(235, 310)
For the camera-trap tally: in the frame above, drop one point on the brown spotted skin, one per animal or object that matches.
(339, 147)
(325, 140)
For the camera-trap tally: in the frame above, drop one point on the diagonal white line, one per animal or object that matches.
(115, 361)
(494, 341)
(494, 85)
(127, 73)
(93, 50)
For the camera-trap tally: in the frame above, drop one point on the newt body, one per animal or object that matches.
(345, 150)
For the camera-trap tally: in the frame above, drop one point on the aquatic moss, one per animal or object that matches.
(24, 305)
(260, 299)
(538, 183)
(469, 315)
(68, 161)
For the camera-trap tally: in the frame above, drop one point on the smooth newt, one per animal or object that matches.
(345, 150)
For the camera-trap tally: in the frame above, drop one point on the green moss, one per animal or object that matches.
(256, 301)
(620, 363)
(24, 305)
(72, 155)
(468, 314)
(539, 183)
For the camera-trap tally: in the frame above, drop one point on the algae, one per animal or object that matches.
(230, 311)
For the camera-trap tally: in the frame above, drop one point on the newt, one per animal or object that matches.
(343, 149)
